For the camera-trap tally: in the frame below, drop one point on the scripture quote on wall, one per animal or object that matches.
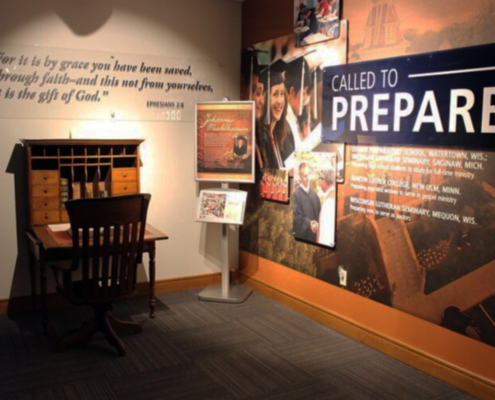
(37, 82)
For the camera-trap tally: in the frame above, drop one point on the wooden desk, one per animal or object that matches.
(46, 246)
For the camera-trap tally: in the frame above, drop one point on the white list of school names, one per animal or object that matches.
(403, 182)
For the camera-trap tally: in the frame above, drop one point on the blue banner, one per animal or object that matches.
(445, 98)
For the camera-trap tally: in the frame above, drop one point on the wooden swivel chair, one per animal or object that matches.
(107, 237)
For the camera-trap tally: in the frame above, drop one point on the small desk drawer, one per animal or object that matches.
(45, 177)
(46, 191)
(46, 217)
(119, 188)
(46, 203)
(124, 175)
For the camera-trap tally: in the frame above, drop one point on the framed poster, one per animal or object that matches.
(225, 141)
(223, 206)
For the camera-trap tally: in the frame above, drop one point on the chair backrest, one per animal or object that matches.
(107, 236)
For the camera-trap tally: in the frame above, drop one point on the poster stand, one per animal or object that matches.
(225, 292)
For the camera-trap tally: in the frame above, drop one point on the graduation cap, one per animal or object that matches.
(277, 72)
(251, 67)
(247, 62)
(298, 77)
(263, 75)
(247, 56)
(298, 74)
(276, 76)
(261, 71)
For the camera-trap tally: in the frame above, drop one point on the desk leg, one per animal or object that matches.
(44, 316)
(152, 254)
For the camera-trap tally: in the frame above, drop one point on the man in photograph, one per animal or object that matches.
(326, 222)
(297, 83)
(306, 207)
(240, 147)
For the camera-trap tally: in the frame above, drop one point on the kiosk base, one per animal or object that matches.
(233, 294)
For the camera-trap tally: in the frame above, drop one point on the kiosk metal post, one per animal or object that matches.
(225, 292)
(224, 147)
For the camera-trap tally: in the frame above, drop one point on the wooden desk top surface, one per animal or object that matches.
(62, 239)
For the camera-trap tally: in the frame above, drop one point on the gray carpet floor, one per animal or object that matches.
(203, 350)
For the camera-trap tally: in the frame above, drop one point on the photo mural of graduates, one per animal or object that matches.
(285, 82)
(277, 139)
(414, 226)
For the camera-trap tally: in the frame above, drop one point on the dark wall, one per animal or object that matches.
(266, 19)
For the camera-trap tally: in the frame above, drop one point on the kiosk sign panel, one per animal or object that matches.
(225, 141)
(442, 98)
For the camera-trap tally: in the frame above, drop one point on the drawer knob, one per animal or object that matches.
(46, 204)
(125, 187)
(45, 191)
(124, 175)
(46, 216)
(45, 178)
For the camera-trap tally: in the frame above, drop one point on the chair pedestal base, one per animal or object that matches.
(106, 324)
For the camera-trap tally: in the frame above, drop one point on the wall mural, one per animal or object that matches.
(415, 225)
(382, 28)
(289, 118)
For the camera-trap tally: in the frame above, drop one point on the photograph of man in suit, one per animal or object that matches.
(298, 84)
(307, 207)
(240, 146)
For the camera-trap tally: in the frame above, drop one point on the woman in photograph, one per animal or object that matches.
(258, 89)
(278, 141)
(258, 95)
